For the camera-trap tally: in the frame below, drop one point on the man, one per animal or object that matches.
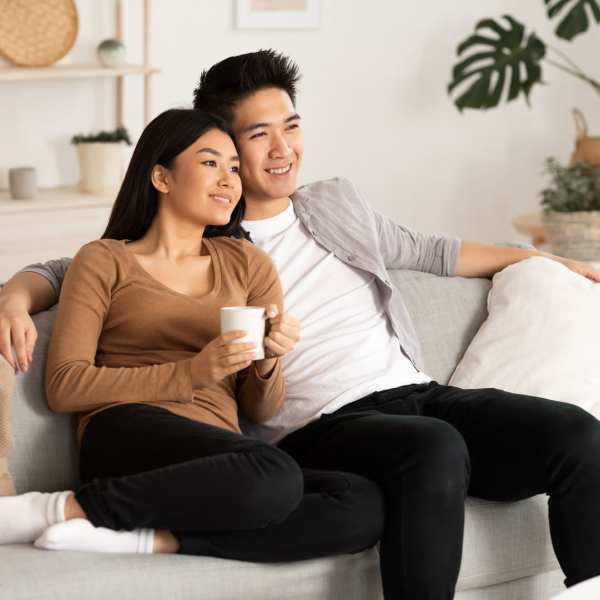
(357, 399)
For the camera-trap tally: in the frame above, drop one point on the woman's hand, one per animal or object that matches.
(283, 333)
(220, 358)
(16, 328)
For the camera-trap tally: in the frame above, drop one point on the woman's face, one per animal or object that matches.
(203, 185)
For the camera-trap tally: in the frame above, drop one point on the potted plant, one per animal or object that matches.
(571, 215)
(101, 159)
(505, 57)
(507, 62)
(501, 60)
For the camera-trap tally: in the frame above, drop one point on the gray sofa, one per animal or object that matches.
(507, 550)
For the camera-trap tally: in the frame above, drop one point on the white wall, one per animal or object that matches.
(373, 101)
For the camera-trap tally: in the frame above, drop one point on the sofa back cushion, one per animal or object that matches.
(43, 455)
(447, 313)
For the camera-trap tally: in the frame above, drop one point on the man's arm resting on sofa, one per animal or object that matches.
(24, 294)
(403, 248)
(484, 260)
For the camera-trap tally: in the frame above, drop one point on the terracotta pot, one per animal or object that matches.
(101, 166)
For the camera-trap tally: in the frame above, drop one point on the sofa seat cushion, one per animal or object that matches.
(27, 572)
(505, 541)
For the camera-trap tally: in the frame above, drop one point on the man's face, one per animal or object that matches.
(269, 138)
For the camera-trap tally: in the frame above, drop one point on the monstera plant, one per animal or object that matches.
(502, 55)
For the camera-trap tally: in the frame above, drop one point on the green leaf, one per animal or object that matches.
(575, 19)
(500, 51)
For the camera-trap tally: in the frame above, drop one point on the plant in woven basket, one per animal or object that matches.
(572, 188)
(571, 215)
(502, 56)
(120, 134)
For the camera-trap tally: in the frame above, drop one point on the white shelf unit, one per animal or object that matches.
(60, 220)
(87, 71)
(72, 72)
(53, 199)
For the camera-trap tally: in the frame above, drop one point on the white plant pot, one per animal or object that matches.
(100, 166)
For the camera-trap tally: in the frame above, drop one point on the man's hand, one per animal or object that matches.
(283, 333)
(484, 260)
(16, 328)
(582, 268)
(23, 294)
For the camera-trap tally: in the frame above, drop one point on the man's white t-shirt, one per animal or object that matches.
(347, 349)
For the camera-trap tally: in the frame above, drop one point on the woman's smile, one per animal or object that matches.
(222, 199)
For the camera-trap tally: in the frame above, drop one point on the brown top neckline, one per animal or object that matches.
(215, 262)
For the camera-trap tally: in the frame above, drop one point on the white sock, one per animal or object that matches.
(80, 534)
(23, 518)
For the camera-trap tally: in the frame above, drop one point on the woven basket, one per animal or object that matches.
(37, 33)
(573, 234)
(587, 147)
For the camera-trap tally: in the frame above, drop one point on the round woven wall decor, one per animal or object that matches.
(37, 33)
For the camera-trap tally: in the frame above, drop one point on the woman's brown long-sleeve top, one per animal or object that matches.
(121, 336)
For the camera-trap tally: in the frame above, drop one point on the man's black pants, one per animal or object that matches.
(429, 445)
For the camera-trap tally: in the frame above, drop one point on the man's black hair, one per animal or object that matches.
(226, 83)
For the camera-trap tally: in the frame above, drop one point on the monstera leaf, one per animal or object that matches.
(576, 19)
(501, 52)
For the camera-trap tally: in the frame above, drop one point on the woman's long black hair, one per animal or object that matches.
(166, 136)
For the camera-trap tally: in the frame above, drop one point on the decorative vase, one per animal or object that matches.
(573, 234)
(22, 183)
(101, 166)
(111, 52)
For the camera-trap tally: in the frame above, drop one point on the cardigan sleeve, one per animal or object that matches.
(53, 270)
(73, 382)
(402, 248)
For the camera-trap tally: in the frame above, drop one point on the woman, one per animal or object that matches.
(136, 351)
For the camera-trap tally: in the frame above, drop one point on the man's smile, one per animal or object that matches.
(280, 170)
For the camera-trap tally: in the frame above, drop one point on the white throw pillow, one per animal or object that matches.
(541, 337)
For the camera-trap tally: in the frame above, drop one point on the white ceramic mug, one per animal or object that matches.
(250, 319)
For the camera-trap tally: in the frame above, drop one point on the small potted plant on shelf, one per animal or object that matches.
(101, 159)
(571, 215)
